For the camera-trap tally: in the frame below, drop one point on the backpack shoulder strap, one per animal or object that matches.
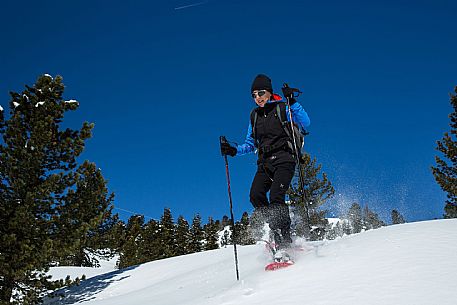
(281, 112)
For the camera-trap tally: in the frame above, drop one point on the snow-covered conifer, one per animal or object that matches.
(183, 236)
(196, 235)
(355, 218)
(168, 234)
(48, 203)
(133, 238)
(371, 220)
(211, 234)
(317, 191)
(150, 246)
(397, 218)
(445, 171)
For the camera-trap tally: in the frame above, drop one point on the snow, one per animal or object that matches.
(403, 264)
(334, 221)
(1, 108)
(15, 104)
(71, 101)
(74, 272)
(39, 104)
(221, 235)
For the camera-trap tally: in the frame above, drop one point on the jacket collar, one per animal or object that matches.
(276, 98)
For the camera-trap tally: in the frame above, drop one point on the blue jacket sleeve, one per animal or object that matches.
(299, 116)
(248, 146)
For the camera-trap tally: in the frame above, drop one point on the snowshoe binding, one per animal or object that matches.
(278, 249)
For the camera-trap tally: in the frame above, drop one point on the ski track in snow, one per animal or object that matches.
(403, 265)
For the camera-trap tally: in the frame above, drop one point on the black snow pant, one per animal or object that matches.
(274, 176)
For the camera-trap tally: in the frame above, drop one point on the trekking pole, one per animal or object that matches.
(298, 156)
(224, 140)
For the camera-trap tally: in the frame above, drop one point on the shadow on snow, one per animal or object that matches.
(88, 289)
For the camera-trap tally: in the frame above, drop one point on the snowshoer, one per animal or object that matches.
(276, 159)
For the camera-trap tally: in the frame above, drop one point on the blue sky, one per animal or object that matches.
(162, 84)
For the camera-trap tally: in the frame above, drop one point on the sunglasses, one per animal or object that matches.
(258, 93)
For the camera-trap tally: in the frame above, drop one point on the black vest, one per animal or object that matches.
(268, 130)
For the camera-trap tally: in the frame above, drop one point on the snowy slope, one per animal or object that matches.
(404, 264)
(74, 272)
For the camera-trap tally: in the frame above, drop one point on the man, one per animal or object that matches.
(276, 162)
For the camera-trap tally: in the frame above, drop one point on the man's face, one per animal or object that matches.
(261, 97)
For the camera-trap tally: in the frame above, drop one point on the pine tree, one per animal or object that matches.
(114, 234)
(83, 208)
(335, 231)
(242, 230)
(218, 225)
(182, 236)
(365, 215)
(130, 254)
(225, 221)
(371, 220)
(150, 246)
(211, 235)
(196, 235)
(239, 231)
(347, 227)
(355, 218)
(397, 218)
(446, 173)
(168, 234)
(317, 191)
(320, 225)
(98, 243)
(103, 241)
(41, 188)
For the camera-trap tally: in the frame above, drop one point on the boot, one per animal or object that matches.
(277, 237)
(282, 238)
(286, 241)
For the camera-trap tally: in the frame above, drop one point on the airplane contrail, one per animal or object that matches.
(190, 5)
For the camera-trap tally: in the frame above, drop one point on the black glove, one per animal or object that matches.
(288, 93)
(227, 149)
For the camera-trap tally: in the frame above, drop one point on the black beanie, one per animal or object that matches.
(262, 82)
